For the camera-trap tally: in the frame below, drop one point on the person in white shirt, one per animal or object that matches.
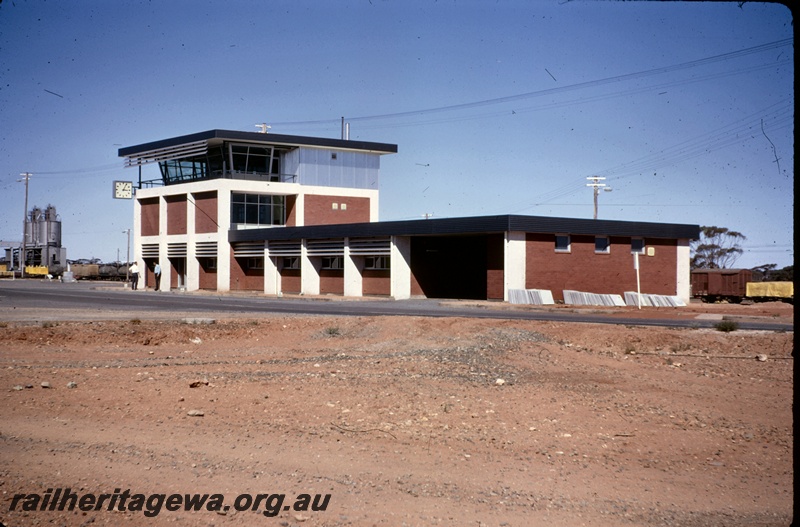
(157, 274)
(134, 269)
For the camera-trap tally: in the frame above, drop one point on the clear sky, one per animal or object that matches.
(497, 107)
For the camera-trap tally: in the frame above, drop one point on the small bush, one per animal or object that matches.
(726, 326)
(136, 322)
(333, 331)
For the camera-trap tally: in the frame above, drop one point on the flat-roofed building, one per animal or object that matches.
(287, 214)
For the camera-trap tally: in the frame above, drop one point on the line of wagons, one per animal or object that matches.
(737, 285)
(102, 271)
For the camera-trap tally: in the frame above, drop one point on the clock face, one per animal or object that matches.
(123, 190)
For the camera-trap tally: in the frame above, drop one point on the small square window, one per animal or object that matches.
(333, 155)
(344, 206)
(376, 262)
(335, 206)
(602, 244)
(637, 245)
(332, 262)
(562, 243)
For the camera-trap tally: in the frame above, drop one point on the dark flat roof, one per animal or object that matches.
(472, 225)
(257, 137)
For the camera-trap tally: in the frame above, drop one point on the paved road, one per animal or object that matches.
(114, 299)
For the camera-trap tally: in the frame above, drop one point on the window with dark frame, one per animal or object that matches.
(255, 263)
(332, 262)
(602, 244)
(258, 209)
(291, 262)
(378, 263)
(562, 243)
(637, 245)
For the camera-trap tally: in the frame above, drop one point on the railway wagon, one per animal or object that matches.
(111, 271)
(720, 284)
(735, 285)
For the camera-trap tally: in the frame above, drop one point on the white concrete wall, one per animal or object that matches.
(309, 272)
(272, 278)
(514, 262)
(353, 280)
(684, 284)
(223, 246)
(192, 265)
(401, 267)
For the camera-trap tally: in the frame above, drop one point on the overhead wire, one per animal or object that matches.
(557, 90)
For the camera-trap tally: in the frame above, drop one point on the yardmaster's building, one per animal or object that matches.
(289, 214)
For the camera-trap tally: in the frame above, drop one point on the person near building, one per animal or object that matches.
(157, 274)
(134, 269)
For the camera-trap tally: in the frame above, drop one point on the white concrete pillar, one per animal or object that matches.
(192, 265)
(136, 232)
(272, 278)
(400, 263)
(163, 239)
(353, 280)
(309, 271)
(513, 262)
(683, 271)
(300, 210)
(223, 246)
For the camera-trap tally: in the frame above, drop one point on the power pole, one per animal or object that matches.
(23, 259)
(128, 261)
(596, 185)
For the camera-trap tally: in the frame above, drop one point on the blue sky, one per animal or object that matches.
(497, 107)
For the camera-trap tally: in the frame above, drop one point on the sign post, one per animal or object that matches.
(638, 283)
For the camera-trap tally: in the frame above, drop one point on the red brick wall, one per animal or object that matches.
(149, 216)
(205, 218)
(331, 281)
(416, 289)
(319, 210)
(290, 280)
(177, 266)
(176, 214)
(495, 244)
(208, 277)
(244, 279)
(291, 211)
(376, 282)
(583, 270)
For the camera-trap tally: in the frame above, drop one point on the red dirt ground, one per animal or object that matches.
(404, 421)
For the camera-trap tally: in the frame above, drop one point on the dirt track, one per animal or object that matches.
(402, 420)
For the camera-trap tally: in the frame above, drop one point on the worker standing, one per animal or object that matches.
(134, 276)
(157, 273)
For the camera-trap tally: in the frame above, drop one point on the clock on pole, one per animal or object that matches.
(123, 190)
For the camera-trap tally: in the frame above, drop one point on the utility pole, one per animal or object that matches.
(26, 177)
(128, 257)
(596, 185)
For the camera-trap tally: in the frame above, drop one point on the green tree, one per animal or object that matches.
(770, 273)
(717, 248)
